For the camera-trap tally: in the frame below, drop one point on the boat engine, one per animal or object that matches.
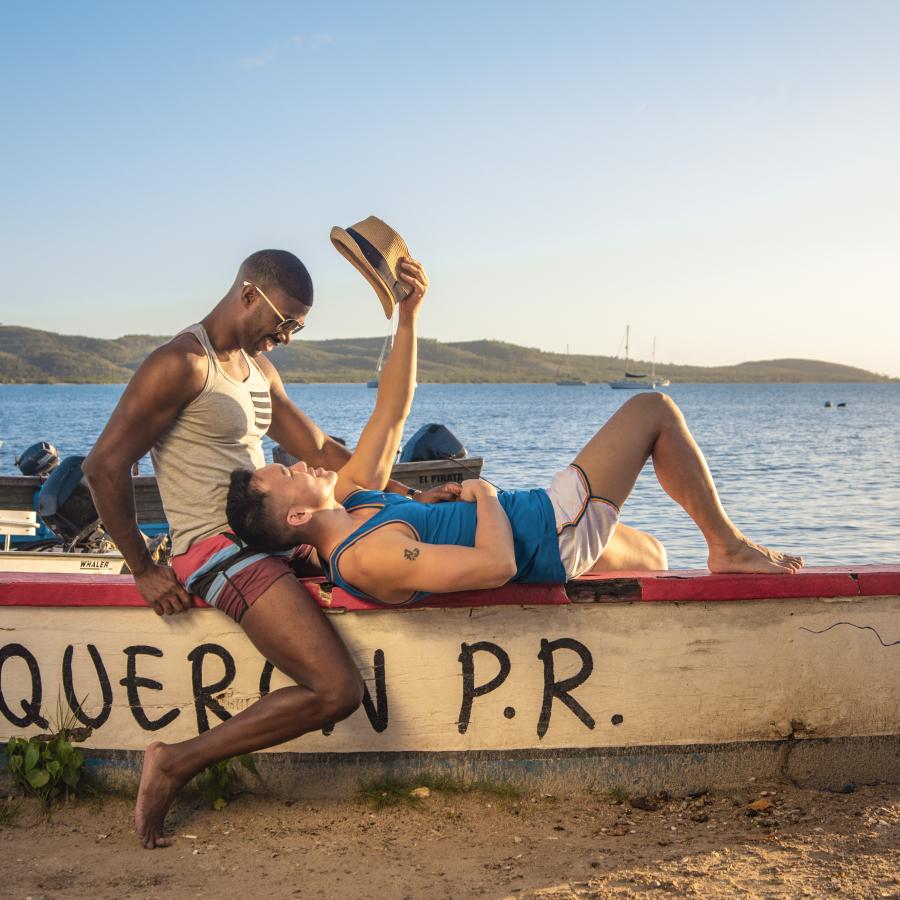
(39, 459)
(431, 442)
(67, 508)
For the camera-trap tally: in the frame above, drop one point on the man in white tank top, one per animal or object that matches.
(201, 404)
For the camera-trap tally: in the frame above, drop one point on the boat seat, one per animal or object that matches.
(16, 522)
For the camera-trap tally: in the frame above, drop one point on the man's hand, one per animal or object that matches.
(474, 489)
(162, 590)
(440, 493)
(411, 273)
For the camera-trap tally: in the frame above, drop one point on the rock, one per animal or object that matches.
(700, 817)
(644, 803)
(420, 793)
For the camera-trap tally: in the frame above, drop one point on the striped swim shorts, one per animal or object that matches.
(584, 522)
(227, 574)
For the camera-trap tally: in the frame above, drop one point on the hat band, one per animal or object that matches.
(379, 264)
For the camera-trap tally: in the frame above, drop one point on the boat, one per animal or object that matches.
(385, 347)
(742, 679)
(570, 380)
(634, 381)
(32, 547)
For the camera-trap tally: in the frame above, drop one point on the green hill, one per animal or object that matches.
(28, 355)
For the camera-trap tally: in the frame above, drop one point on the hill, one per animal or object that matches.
(28, 355)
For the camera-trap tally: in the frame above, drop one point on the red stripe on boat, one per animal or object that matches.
(44, 589)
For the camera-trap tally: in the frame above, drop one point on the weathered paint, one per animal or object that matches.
(578, 677)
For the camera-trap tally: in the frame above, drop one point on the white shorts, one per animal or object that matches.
(584, 521)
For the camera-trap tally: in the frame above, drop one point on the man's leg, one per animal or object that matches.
(651, 426)
(631, 550)
(288, 629)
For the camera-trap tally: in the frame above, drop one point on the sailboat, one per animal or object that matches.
(634, 381)
(385, 347)
(571, 380)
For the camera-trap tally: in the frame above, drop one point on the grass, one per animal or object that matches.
(381, 793)
(9, 812)
(618, 795)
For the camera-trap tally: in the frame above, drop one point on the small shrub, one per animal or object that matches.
(46, 767)
(221, 782)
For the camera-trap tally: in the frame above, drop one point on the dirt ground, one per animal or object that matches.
(796, 843)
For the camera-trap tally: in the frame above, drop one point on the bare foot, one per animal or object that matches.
(155, 795)
(745, 556)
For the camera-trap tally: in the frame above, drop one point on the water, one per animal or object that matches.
(821, 482)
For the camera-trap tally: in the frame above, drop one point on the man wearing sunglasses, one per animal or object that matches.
(201, 404)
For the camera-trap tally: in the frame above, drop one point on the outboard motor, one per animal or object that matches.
(432, 442)
(39, 459)
(66, 506)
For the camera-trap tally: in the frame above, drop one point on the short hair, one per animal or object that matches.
(281, 269)
(250, 516)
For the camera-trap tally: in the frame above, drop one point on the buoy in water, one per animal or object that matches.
(841, 405)
(828, 404)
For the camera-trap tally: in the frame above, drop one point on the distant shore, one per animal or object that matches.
(31, 356)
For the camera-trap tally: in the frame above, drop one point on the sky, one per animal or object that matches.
(722, 177)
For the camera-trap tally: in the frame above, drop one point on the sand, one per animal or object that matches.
(803, 843)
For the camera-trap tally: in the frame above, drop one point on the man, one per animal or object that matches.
(383, 548)
(201, 404)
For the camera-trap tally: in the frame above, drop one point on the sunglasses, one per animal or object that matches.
(286, 327)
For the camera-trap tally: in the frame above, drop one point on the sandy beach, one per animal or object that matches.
(763, 840)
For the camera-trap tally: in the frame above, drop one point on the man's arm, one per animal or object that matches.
(370, 465)
(391, 566)
(295, 431)
(301, 437)
(164, 384)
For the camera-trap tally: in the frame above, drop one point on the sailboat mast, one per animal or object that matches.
(653, 362)
(627, 327)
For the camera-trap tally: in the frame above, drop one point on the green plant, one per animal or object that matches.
(221, 782)
(48, 765)
(45, 766)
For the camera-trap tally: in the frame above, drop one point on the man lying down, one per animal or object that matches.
(389, 549)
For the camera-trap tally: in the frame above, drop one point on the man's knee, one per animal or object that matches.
(341, 697)
(656, 404)
(657, 558)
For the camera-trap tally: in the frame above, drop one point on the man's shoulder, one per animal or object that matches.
(183, 355)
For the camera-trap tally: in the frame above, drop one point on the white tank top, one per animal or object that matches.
(220, 430)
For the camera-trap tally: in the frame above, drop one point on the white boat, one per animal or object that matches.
(639, 381)
(385, 347)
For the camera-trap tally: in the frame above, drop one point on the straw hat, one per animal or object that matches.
(375, 249)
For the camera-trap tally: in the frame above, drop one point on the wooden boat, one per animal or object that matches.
(20, 493)
(678, 680)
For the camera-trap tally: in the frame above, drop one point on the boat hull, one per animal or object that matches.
(635, 385)
(670, 681)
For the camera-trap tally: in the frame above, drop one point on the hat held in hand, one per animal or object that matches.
(376, 250)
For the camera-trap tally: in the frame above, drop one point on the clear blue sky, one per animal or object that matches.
(721, 175)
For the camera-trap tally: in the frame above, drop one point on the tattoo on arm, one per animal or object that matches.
(411, 555)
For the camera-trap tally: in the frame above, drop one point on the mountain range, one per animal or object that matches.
(28, 355)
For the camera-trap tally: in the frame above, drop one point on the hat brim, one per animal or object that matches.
(349, 249)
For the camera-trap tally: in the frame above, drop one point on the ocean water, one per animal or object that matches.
(796, 475)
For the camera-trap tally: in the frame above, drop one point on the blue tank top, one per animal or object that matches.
(530, 514)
